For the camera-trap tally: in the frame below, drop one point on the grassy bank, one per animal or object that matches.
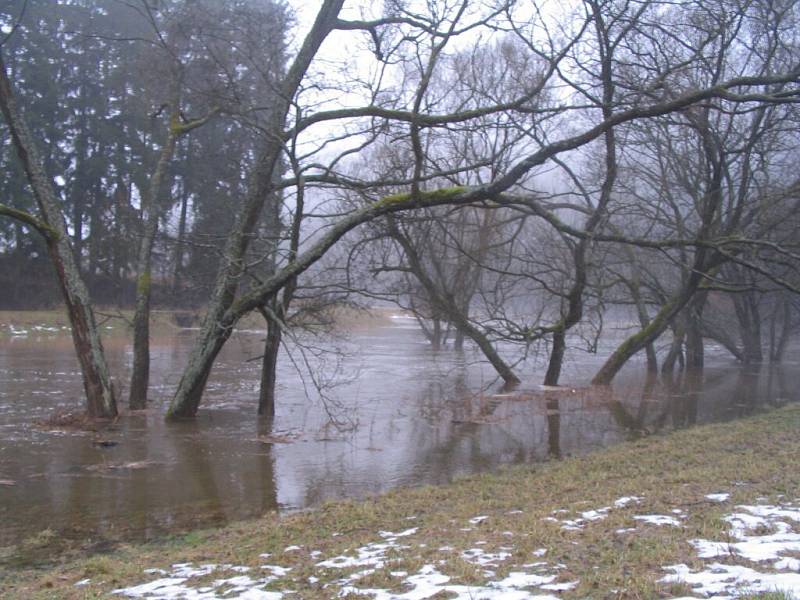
(564, 522)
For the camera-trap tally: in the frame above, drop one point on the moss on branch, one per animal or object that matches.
(423, 198)
(46, 230)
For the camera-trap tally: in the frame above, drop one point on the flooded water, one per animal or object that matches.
(408, 416)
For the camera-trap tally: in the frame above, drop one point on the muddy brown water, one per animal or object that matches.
(408, 416)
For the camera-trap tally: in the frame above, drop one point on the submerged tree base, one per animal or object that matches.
(643, 501)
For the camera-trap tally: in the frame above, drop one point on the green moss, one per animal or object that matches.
(423, 197)
(143, 283)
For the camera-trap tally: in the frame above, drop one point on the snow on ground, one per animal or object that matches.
(588, 516)
(178, 583)
(761, 552)
(658, 520)
(175, 583)
(429, 582)
(767, 536)
(721, 497)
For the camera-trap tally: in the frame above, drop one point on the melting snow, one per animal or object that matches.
(479, 519)
(477, 556)
(429, 581)
(587, 516)
(174, 584)
(722, 497)
(733, 579)
(658, 520)
(762, 534)
(625, 500)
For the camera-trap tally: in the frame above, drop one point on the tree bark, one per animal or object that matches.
(269, 365)
(100, 395)
(140, 375)
(646, 335)
(675, 348)
(695, 349)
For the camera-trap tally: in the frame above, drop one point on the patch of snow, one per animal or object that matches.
(477, 556)
(175, 584)
(276, 571)
(596, 515)
(720, 497)
(760, 534)
(625, 500)
(291, 548)
(83, 582)
(658, 520)
(429, 582)
(478, 519)
(787, 564)
(719, 578)
(371, 555)
(390, 536)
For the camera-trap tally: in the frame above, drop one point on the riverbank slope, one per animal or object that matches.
(716, 506)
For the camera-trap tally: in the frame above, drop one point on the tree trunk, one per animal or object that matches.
(269, 369)
(100, 396)
(695, 350)
(780, 341)
(448, 308)
(556, 358)
(179, 244)
(748, 314)
(215, 330)
(553, 427)
(436, 334)
(675, 349)
(140, 375)
(646, 335)
(458, 341)
(212, 338)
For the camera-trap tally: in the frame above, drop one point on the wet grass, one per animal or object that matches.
(755, 458)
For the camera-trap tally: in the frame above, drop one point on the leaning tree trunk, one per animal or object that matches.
(100, 396)
(215, 329)
(647, 335)
(449, 309)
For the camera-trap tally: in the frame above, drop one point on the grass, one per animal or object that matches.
(752, 458)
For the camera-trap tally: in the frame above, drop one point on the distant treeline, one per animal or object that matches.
(94, 92)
